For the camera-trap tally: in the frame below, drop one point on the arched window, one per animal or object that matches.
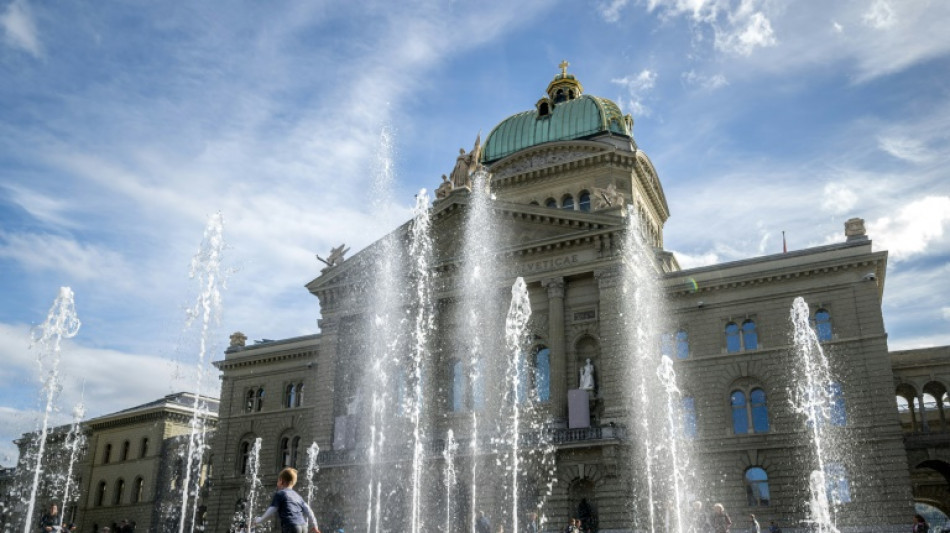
(294, 448)
(544, 109)
(682, 344)
(542, 374)
(837, 484)
(249, 402)
(733, 344)
(567, 202)
(107, 454)
(759, 410)
(750, 412)
(138, 490)
(101, 494)
(298, 399)
(740, 416)
(144, 447)
(119, 489)
(289, 395)
(260, 399)
(823, 325)
(757, 487)
(284, 453)
(838, 414)
(125, 451)
(750, 339)
(666, 344)
(458, 386)
(583, 202)
(245, 462)
(689, 417)
(551, 202)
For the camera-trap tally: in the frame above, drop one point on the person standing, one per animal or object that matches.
(293, 511)
(51, 522)
(531, 526)
(482, 525)
(773, 528)
(699, 520)
(720, 519)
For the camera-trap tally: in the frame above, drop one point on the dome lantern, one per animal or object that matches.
(564, 86)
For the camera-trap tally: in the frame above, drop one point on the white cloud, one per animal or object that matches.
(638, 87)
(915, 226)
(611, 10)
(688, 261)
(19, 29)
(838, 198)
(906, 148)
(880, 15)
(42, 207)
(68, 257)
(706, 82)
(946, 313)
(837, 27)
(749, 32)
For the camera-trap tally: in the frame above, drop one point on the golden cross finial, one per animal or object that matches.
(564, 64)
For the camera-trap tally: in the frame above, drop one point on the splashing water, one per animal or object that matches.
(61, 322)
(664, 460)
(420, 253)
(75, 441)
(313, 452)
(813, 398)
(479, 302)
(515, 331)
(206, 270)
(253, 480)
(451, 476)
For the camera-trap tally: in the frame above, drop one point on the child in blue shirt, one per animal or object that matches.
(293, 512)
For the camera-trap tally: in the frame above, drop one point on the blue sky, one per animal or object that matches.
(124, 126)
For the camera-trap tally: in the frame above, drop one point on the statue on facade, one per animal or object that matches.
(335, 258)
(465, 165)
(444, 189)
(608, 197)
(587, 376)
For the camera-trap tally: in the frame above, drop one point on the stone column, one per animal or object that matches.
(610, 385)
(555, 288)
(924, 426)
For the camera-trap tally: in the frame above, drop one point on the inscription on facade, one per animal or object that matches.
(548, 264)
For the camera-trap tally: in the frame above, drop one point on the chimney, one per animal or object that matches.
(854, 230)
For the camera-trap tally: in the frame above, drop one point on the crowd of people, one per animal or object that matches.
(53, 522)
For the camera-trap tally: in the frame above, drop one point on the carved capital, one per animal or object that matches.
(555, 287)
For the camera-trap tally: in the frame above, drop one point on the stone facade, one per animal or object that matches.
(561, 208)
(130, 468)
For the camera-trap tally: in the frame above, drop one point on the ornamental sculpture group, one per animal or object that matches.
(466, 164)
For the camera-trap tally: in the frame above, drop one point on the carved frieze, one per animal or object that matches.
(540, 160)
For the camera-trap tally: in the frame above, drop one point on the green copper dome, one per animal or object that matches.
(578, 118)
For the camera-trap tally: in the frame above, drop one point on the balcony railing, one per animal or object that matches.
(488, 444)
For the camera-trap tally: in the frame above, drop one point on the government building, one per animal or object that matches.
(431, 444)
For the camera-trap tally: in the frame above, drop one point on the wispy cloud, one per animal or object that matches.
(638, 87)
(906, 148)
(19, 28)
(703, 81)
(880, 15)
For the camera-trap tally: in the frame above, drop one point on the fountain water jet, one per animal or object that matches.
(253, 480)
(664, 462)
(515, 325)
(451, 476)
(61, 322)
(313, 452)
(813, 398)
(206, 270)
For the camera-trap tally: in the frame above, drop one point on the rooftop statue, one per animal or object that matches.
(335, 258)
(465, 165)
